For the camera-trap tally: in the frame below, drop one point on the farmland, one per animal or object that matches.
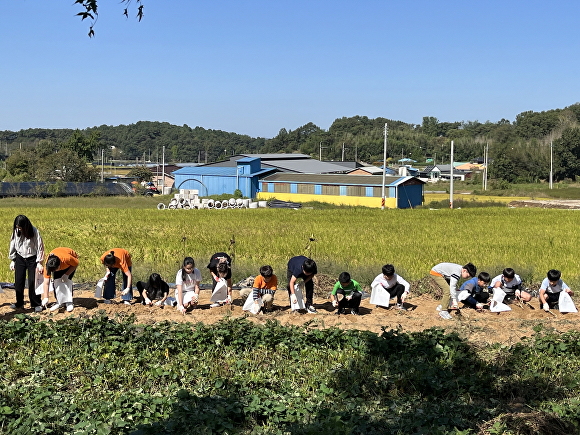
(123, 370)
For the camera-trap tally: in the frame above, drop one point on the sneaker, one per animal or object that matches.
(215, 305)
(340, 311)
(38, 309)
(400, 307)
(439, 308)
(479, 307)
(70, 307)
(127, 302)
(311, 310)
(354, 312)
(108, 301)
(445, 315)
(55, 307)
(16, 307)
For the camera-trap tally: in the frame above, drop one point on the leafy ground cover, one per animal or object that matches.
(101, 375)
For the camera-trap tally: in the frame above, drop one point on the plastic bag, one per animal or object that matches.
(299, 305)
(220, 292)
(566, 304)
(250, 306)
(497, 305)
(380, 296)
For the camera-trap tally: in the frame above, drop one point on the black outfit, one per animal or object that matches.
(21, 267)
(295, 269)
(153, 292)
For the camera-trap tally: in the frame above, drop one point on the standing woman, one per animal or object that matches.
(114, 260)
(60, 264)
(27, 254)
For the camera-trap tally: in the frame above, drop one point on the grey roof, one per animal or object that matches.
(276, 156)
(306, 166)
(342, 179)
(370, 169)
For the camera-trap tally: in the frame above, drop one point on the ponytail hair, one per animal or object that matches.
(109, 259)
(187, 261)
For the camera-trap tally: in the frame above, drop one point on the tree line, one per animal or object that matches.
(519, 151)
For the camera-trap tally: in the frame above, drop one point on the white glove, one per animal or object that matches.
(181, 308)
(293, 299)
(106, 277)
(518, 293)
(157, 304)
(147, 301)
(229, 299)
(335, 303)
(12, 265)
(44, 302)
(39, 267)
(546, 307)
(127, 290)
(349, 297)
(195, 297)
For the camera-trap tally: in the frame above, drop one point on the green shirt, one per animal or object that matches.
(352, 286)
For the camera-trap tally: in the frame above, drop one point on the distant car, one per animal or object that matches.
(151, 190)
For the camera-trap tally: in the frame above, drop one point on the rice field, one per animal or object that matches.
(358, 240)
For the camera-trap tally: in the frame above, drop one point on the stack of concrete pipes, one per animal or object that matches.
(182, 203)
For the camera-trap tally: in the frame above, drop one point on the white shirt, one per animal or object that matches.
(191, 279)
(27, 248)
(513, 283)
(390, 283)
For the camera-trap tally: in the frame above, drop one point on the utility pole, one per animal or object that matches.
(551, 165)
(451, 184)
(384, 168)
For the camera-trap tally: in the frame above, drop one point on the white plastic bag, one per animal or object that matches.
(462, 295)
(299, 305)
(250, 306)
(566, 304)
(380, 296)
(99, 288)
(497, 305)
(40, 284)
(63, 291)
(220, 292)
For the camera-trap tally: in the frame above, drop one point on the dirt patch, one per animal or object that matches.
(563, 204)
(486, 327)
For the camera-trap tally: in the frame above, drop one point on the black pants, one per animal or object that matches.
(397, 291)
(308, 287)
(476, 298)
(21, 266)
(345, 303)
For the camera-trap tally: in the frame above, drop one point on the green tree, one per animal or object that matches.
(567, 155)
(141, 173)
(83, 146)
(20, 166)
(65, 165)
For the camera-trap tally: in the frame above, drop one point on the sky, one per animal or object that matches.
(256, 66)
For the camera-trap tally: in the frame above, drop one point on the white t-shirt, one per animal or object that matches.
(513, 283)
(560, 285)
(191, 279)
(390, 283)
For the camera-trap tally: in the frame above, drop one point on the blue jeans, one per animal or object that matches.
(110, 290)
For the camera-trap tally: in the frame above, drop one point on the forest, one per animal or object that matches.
(519, 150)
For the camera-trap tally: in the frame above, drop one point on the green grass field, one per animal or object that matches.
(358, 240)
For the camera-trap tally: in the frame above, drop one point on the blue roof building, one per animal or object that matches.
(213, 180)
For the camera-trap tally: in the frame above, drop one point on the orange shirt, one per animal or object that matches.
(122, 259)
(260, 283)
(67, 257)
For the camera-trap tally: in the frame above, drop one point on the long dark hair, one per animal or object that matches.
(155, 281)
(186, 262)
(23, 222)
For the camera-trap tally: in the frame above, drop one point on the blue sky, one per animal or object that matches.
(256, 66)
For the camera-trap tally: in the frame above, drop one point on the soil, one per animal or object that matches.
(563, 204)
(476, 327)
